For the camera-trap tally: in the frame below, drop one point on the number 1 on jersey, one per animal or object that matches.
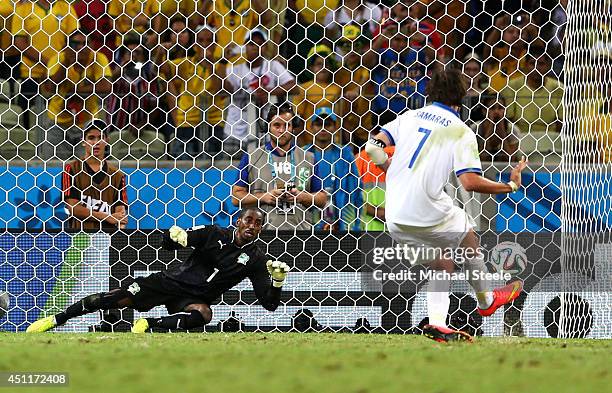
(420, 146)
(214, 273)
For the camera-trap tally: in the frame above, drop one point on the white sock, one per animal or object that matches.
(482, 287)
(438, 302)
(437, 308)
(485, 299)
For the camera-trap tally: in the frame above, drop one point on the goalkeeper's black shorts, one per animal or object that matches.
(156, 290)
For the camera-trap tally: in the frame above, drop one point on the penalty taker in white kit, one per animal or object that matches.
(221, 259)
(430, 144)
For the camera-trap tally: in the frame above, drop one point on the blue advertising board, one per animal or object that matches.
(161, 197)
(536, 207)
(158, 197)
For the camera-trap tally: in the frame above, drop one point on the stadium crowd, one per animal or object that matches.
(203, 76)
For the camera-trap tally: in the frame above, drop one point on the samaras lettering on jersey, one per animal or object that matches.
(434, 118)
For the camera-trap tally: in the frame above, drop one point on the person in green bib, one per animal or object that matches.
(281, 178)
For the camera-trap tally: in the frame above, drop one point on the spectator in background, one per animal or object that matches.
(212, 103)
(213, 21)
(78, 78)
(319, 89)
(40, 30)
(354, 80)
(139, 15)
(399, 73)
(174, 41)
(134, 103)
(251, 85)
(169, 9)
(414, 14)
(338, 173)
(9, 56)
(280, 177)
(277, 11)
(189, 78)
(450, 20)
(593, 141)
(233, 20)
(557, 23)
(97, 24)
(507, 49)
(534, 101)
(360, 12)
(498, 138)
(373, 181)
(476, 82)
(95, 192)
(313, 11)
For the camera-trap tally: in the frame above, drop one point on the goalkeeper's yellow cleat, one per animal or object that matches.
(42, 325)
(140, 326)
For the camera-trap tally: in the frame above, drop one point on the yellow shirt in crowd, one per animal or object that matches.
(531, 110)
(171, 7)
(311, 95)
(46, 29)
(595, 123)
(355, 118)
(125, 11)
(232, 25)
(7, 8)
(507, 69)
(596, 126)
(63, 110)
(194, 84)
(311, 10)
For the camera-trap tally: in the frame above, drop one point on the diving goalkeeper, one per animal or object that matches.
(221, 259)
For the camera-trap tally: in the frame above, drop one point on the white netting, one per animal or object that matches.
(186, 87)
(586, 168)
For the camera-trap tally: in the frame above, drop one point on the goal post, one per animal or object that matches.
(186, 86)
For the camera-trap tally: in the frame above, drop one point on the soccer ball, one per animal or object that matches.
(4, 303)
(508, 257)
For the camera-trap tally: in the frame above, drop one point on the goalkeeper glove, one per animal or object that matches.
(178, 235)
(278, 270)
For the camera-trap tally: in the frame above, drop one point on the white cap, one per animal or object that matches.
(205, 27)
(472, 56)
(256, 31)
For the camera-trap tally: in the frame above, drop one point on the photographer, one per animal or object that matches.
(280, 177)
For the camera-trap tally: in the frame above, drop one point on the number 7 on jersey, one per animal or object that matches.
(420, 146)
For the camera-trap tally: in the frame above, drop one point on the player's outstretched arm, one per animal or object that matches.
(478, 183)
(278, 271)
(267, 281)
(174, 239)
(177, 238)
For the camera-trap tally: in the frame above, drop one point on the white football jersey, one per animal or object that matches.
(430, 143)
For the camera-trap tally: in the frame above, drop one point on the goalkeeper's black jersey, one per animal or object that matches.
(217, 264)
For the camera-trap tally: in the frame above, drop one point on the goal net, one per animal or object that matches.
(187, 91)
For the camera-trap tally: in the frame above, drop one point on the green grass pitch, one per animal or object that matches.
(274, 362)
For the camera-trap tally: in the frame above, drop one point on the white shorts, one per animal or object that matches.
(446, 235)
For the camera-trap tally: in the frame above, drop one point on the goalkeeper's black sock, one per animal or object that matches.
(91, 303)
(76, 310)
(183, 320)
